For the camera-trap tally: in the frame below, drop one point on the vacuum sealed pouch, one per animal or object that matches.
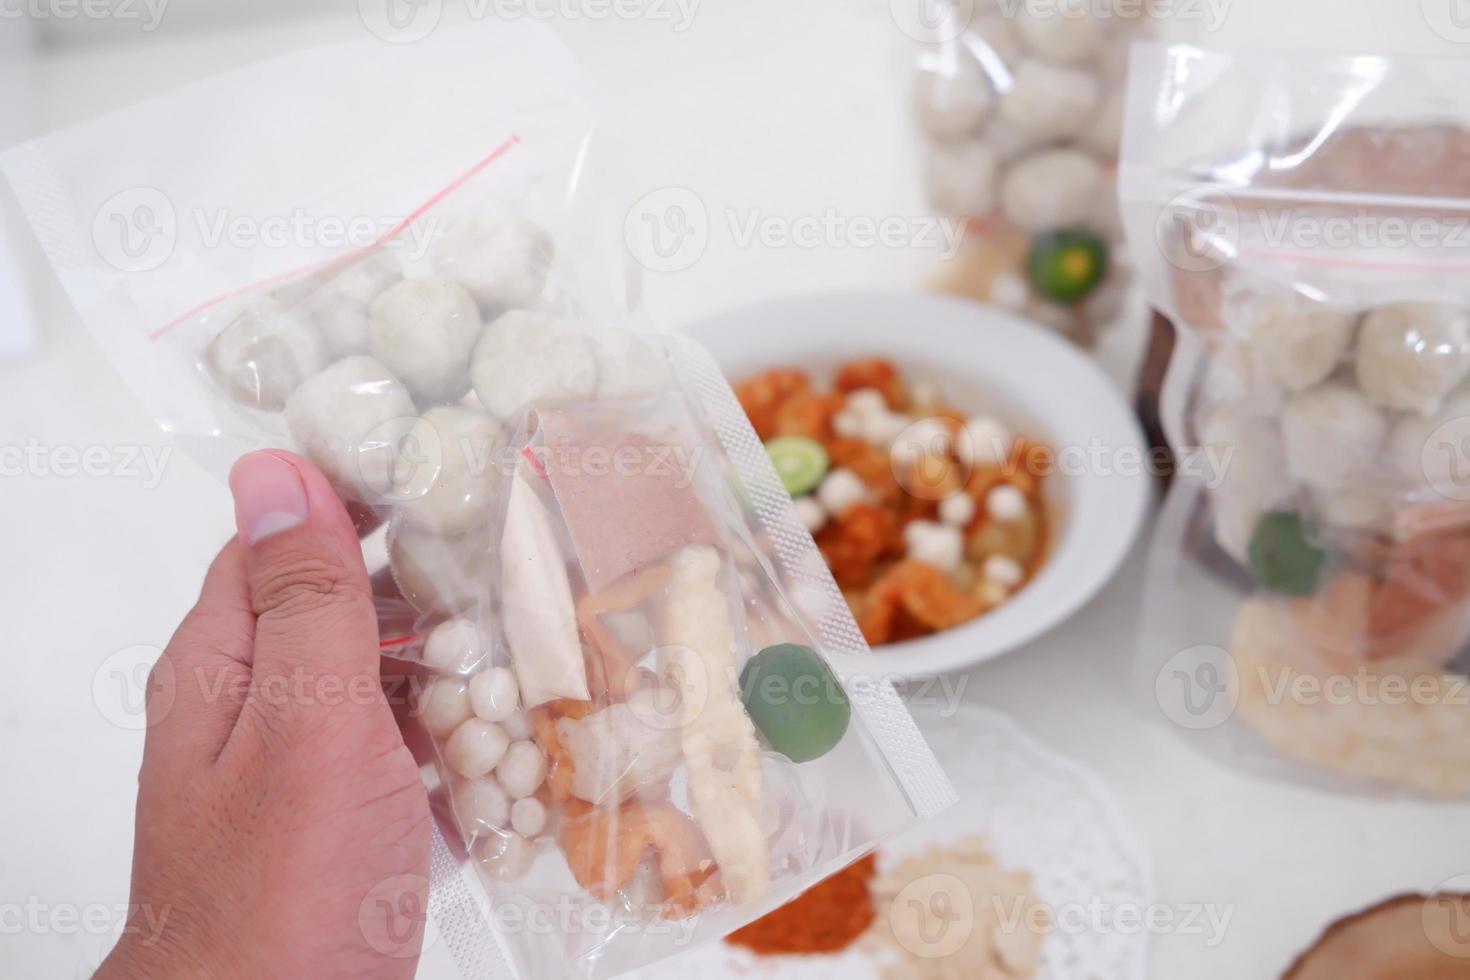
(1303, 221)
(635, 690)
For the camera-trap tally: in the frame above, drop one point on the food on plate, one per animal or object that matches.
(953, 911)
(1418, 936)
(795, 701)
(927, 517)
(827, 918)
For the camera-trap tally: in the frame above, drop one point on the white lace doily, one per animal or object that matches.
(1042, 813)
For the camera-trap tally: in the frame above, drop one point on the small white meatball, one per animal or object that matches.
(518, 727)
(866, 402)
(629, 366)
(1422, 454)
(504, 857)
(494, 694)
(1049, 102)
(885, 428)
(523, 769)
(437, 575)
(475, 748)
(848, 424)
(528, 817)
(1103, 133)
(991, 593)
(337, 417)
(919, 440)
(448, 485)
(957, 509)
(841, 489)
(482, 807)
(499, 256)
(984, 441)
(1003, 570)
(1006, 504)
(960, 178)
(1296, 341)
(456, 646)
(1333, 436)
(940, 545)
(340, 307)
(424, 330)
(263, 355)
(1410, 355)
(1065, 33)
(444, 705)
(953, 103)
(1052, 189)
(810, 512)
(527, 359)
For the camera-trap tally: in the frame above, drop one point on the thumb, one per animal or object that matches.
(309, 589)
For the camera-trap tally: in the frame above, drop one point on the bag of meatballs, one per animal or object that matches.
(643, 712)
(1020, 107)
(1305, 223)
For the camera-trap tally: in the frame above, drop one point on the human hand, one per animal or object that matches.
(281, 821)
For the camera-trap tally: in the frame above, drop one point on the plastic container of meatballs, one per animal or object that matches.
(1020, 107)
(638, 696)
(1304, 221)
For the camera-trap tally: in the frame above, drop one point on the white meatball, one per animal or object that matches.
(527, 358)
(522, 770)
(456, 646)
(528, 817)
(438, 575)
(865, 402)
(264, 354)
(494, 694)
(629, 366)
(341, 305)
(503, 856)
(1049, 102)
(811, 513)
(954, 102)
(984, 441)
(444, 705)
(475, 748)
(482, 807)
(340, 417)
(450, 484)
(1003, 570)
(424, 331)
(1332, 435)
(940, 545)
(1431, 449)
(1006, 504)
(841, 489)
(957, 509)
(1410, 355)
(960, 178)
(1052, 189)
(920, 440)
(499, 256)
(1296, 341)
(1066, 33)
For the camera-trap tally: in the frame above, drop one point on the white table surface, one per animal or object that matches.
(785, 107)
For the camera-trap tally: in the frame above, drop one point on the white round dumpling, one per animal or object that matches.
(1294, 340)
(262, 355)
(1066, 33)
(1049, 102)
(1252, 478)
(1333, 436)
(960, 178)
(1410, 355)
(528, 358)
(340, 416)
(1232, 378)
(629, 366)
(437, 575)
(1052, 189)
(499, 256)
(953, 103)
(341, 305)
(448, 484)
(424, 330)
(1423, 455)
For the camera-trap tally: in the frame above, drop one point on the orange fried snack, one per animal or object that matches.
(856, 539)
(763, 395)
(605, 845)
(872, 372)
(919, 592)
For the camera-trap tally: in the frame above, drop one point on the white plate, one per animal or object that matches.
(1041, 812)
(984, 361)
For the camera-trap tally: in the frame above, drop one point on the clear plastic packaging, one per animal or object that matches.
(1303, 220)
(1020, 106)
(636, 688)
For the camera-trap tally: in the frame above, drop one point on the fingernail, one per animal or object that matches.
(269, 496)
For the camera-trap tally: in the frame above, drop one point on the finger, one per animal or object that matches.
(203, 676)
(316, 633)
